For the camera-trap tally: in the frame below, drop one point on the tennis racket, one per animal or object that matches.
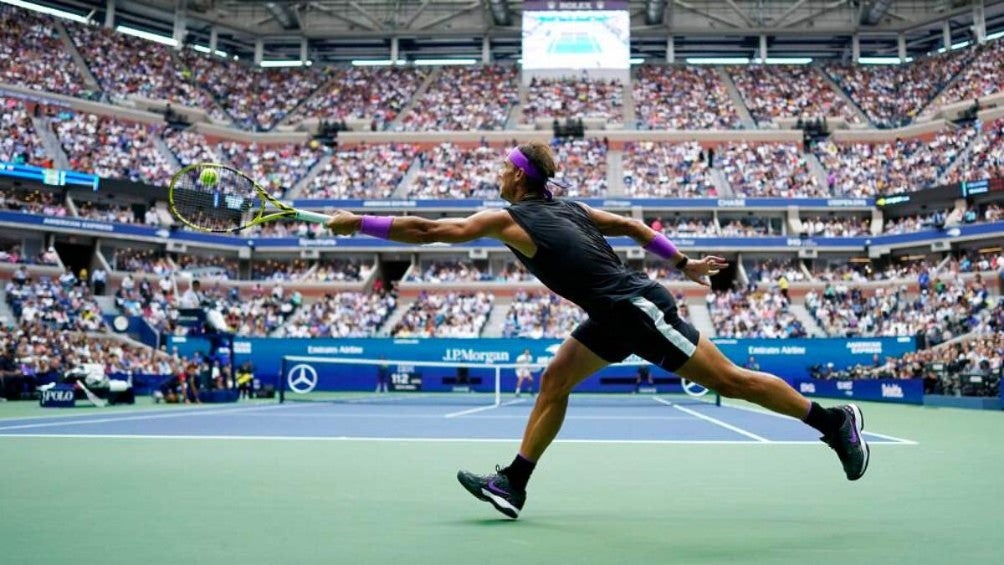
(216, 198)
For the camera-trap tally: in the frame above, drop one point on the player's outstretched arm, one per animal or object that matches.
(657, 243)
(413, 229)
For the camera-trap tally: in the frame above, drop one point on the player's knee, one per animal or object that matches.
(552, 384)
(735, 382)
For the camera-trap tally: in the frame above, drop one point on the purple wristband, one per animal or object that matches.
(376, 226)
(661, 246)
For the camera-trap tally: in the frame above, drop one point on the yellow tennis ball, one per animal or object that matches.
(209, 177)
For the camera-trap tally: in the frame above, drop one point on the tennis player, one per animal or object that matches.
(524, 372)
(563, 243)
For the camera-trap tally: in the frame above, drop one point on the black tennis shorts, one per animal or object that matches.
(647, 325)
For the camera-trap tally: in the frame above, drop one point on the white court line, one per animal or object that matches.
(786, 417)
(63, 414)
(714, 421)
(384, 415)
(157, 416)
(482, 408)
(412, 439)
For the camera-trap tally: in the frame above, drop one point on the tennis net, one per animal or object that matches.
(386, 381)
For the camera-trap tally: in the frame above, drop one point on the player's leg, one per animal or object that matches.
(572, 364)
(506, 488)
(841, 427)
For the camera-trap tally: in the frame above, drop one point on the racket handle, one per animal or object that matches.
(313, 217)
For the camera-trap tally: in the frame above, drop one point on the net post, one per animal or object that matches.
(281, 389)
(498, 386)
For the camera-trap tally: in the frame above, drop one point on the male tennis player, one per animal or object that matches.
(524, 372)
(562, 243)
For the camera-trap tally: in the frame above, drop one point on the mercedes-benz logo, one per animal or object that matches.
(692, 388)
(301, 378)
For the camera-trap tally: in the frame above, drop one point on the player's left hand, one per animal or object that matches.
(697, 270)
(344, 223)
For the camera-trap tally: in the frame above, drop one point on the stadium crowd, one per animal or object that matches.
(754, 312)
(450, 171)
(112, 148)
(541, 314)
(34, 56)
(666, 170)
(768, 170)
(373, 93)
(563, 98)
(19, 142)
(983, 76)
(787, 91)
(363, 171)
(452, 314)
(465, 98)
(343, 314)
(985, 159)
(682, 97)
(893, 95)
(904, 165)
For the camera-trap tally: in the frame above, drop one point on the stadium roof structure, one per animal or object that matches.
(335, 31)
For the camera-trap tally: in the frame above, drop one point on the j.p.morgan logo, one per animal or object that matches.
(301, 378)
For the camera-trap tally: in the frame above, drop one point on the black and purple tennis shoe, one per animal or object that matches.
(849, 444)
(494, 489)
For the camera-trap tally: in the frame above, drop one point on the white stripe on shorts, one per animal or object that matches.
(668, 331)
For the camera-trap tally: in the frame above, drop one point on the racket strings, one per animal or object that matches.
(226, 203)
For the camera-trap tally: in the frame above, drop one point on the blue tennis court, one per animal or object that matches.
(591, 418)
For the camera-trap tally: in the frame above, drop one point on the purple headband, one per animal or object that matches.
(520, 161)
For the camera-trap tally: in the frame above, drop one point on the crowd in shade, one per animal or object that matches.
(666, 170)
(122, 214)
(662, 272)
(363, 171)
(773, 270)
(574, 98)
(139, 260)
(893, 95)
(682, 97)
(33, 202)
(44, 354)
(448, 271)
(450, 171)
(59, 304)
(985, 159)
(836, 226)
(112, 148)
(863, 272)
(372, 93)
(451, 314)
(277, 168)
(339, 270)
(33, 54)
(760, 312)
(255, 98)
(789, 91)
(11, 252)
(941, 367)
(343, 314)
(287, 228)
(748, 226)
(983, 76)
(916, 222)
(209, 266)
(541, 314)
(680, 226)
(258, 313)
(127, 66)
(768, 170)
(465, 98)
(285, 270)
(903, 165)
(19, 142)
(974, 261)
(583, 166)
(944, 308)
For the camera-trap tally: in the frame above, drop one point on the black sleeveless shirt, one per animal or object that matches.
(573, 258)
